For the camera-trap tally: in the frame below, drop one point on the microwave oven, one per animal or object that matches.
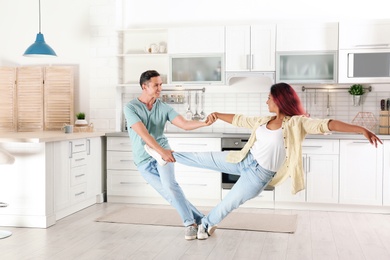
(364, 66)
(197, 69)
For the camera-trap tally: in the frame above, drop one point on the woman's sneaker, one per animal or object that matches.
(155, 155)
(202, 233)
(190, 232)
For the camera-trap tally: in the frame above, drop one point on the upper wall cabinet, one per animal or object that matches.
(364, 34)
(195, 40)
(307, 52)
(250, 48)
(307, 37)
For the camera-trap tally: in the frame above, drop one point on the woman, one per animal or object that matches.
(272, 153)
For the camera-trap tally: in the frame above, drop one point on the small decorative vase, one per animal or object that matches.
(356, 100)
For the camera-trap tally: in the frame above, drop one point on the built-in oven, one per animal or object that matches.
(232, 144)
(235, 143)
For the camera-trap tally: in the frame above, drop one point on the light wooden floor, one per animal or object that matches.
(320, 235)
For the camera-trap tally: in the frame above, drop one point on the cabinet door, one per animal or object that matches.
(250, 48)
(238, 48)
(364, 34)
(189, 40)
(386, 173)
(322, 178)
(307, 36)
(8, 104)
(361, 166)
(263, 38)
(94, 164)
(62, 178)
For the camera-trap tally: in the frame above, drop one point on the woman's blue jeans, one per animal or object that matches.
(162, 179)
(253, 179)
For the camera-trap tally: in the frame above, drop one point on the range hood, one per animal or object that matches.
(240, 77)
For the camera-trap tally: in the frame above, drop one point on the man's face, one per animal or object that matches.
(153, 87)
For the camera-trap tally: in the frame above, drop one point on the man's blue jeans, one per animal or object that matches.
(253, 179)
(162, 179)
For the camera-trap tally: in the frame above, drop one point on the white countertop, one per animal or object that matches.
(44, 136)
(341, 136)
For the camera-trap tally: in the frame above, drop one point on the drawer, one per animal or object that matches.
(195, 144)
(78, 175)
(78, 193)
(316, 146)
(78, 145)
(208, 190)
(119, 144)
(78, 159)
(129, 183)
(120, 160)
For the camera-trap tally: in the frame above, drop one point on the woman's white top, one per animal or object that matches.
(268, 150)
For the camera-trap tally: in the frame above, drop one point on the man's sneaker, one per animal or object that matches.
(211, 230)
(190, 232)
(155, 155)
(202, 234)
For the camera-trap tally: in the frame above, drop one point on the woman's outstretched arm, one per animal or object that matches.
(339, 126)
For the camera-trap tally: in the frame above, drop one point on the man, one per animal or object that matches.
(146, 117)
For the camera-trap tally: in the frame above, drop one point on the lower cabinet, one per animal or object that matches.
(320, 164)
(386, 173)
(78, 178)
(361, 169)
(125, 183)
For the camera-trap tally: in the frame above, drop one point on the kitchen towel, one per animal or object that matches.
(151, 215)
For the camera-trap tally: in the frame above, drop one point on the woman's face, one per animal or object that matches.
(271, 105)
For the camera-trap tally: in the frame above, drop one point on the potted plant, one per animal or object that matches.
(356, 90)
(81, 119)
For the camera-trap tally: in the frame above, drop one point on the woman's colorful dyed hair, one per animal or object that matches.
(287, 100)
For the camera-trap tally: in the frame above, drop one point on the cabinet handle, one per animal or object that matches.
(252, 58)
(79, 145)
(311, 146)
(361, 142)
(80, 159)
(193, 184)
(308, 164)
(125, 160)
(372, 45)
(80, 175)
(127, 144)
(70, 149)
(80, 193)
(196, 144)
(248, 61)
(88, 146)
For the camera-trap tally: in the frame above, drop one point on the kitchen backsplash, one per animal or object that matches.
(336, 104)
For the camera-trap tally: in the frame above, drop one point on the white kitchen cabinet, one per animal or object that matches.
(320, 163)
(386, 173)
(202, 187)
(78, 180)
(124, 181)
(304, 36)
(196, 40)
(361, 168)
(250, 48)
(364, 34)
(307, 52)
(141, 50)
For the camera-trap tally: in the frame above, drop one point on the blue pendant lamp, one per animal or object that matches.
(39, 48)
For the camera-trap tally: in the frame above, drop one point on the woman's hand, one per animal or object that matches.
(372, 137)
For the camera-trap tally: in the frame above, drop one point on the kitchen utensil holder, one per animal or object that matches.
(177, 99)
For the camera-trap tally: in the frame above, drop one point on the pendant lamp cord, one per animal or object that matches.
(39, 16)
